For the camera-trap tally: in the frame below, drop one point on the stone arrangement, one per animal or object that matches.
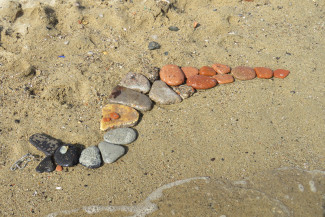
(136, 93)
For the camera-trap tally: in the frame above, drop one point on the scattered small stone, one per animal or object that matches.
(90, 157)
(153, 45)
(263, 72)
(243, 73)
(128, 117)
(195, 24)
(161, 93)
(173, 28)
(126, 96)
(166, 53)
(190, 71)
(121, 136)
(136, 82)
(67, 155)
(184, 91)
(152, 73)
(110, 152)
(58, 168)
(201, 82)
(207, 71)
(45, 143)
(172, 75)
(220, 68)
(224, 78)
(46, 165)
(281, 73)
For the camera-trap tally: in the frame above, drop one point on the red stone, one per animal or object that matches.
(224, 78)
(281, 73)
(172, 75)
(243, 73)
(201, 82)
(221, 69)
(263, 72)
(190, 71)
(207, 71)
(114, 115)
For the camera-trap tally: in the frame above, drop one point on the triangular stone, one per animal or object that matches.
(161, 93)
(46, 165)
(136, 82)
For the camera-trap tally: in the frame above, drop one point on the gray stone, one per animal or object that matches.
(173, 28)
(121, 136)
(184, 91)
(126, 96)
(46, 165)
(110, 152)
(151, 72)
(90, 157)
(161, 93)
(153, 45)
(136, 82)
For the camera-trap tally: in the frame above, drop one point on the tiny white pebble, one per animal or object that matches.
(58, 188)
(66, 42)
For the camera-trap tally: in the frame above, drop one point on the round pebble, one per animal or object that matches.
(190, 71)
(224, 78)
(263, 72)
(207, 71)
(121, 136)
(172, 75)
(173, 28)
(90, 157)
(220, 68)
(67, 155)
(136, 82)
(153, 45)
(281, 73)
(110, 152)
(201, 82)
(243, 73)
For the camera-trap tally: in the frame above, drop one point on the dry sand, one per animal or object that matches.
(260, 142)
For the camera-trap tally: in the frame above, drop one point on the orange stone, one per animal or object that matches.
(263, 72)
(221, 69)
(243, 73)
(224, 78)
(128, 116)
(281, 73)
(106, 119)
(201, 82)
(190, 71)
(114, 115)
(172, 75)
(207, 71)
(58, 168)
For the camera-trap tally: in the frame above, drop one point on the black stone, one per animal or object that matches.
(153, 45)
(67, 155)
(173, 28)
(46, 165)
(45, 143)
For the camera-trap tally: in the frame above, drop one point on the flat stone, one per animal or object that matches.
(128, 116)
(46, 165)
(207, 71)
(151, 72)
(67, 155)
(220, 68)
(121, 136)
(110, 152)
(153, 45)
(172, 75)
(161, 93)
(201, 82)
(126, 96)
(45, 143)
(243, 73)
(224, 78)
(173, 28)
(281, 73)
(263, 72)
(90, 157)
(136, 82)
(190, 71)
(184, 91)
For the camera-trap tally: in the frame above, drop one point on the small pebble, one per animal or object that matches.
(45, 143)
(281, 73)
(67, 155)
(201, 82)
(184, 91)
(153, 45)
(224, 78)
(90, 157)
(207, 71)
(161, 93)
(243, 73)
(172, 75)
(121, 136)
(110, 152)
(262, 72)
(58, 168)
(173, 28)
(221, 69)
(46, 165)
(136, 82)
(190, 71)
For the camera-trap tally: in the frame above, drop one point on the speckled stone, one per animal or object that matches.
(121, 136)
(136, 82)
(172, 75)
(110, 152)
(153, 45)
(243, 73)
(67, 155)
(46, 165)
(161, 93)
(90, 157)
(45, 143)
(201, 82)
(184, 91)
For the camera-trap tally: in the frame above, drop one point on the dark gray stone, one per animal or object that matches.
(67, 155)
(120, 136)
(90, 157)
(161, 93)
(46, 165)
(45, 143)
(173, 28)
(136, 82)
(110, 152)
(153, 45)
(126, 96)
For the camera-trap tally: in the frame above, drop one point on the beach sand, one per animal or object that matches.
(249, 148)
